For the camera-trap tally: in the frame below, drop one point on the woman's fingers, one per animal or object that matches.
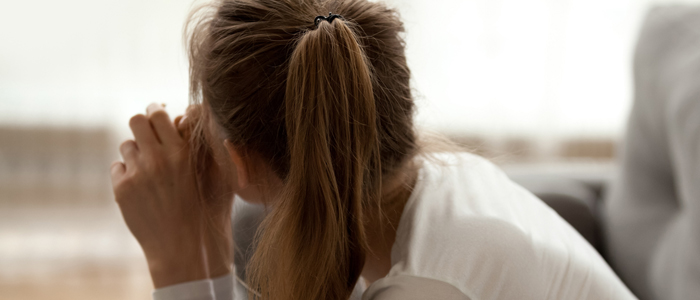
(143, 132)
(117, 170)
(185, 123)
(164, 128)
(193, 110)
(129, 152)
(177, 120)
(182, 126)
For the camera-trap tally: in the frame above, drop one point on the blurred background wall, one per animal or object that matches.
(541, 83)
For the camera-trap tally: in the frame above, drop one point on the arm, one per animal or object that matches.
(181, 234)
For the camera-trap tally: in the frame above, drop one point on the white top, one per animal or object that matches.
(469, 232)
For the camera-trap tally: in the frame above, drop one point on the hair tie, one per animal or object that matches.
(330, 18)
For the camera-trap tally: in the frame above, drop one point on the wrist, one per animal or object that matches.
(219, 250)
(166, 271)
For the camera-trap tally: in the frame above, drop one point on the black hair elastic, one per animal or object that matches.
(330, 18)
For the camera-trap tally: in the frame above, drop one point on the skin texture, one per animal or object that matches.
(157, 194)
(185, 238)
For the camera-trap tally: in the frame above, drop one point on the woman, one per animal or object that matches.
(311, 115)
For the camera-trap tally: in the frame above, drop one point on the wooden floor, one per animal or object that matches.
(69, 253)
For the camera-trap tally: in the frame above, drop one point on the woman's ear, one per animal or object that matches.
(241, 165)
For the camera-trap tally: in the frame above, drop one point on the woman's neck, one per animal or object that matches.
(382, 225)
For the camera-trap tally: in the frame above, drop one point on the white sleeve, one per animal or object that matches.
(406, 287)
(223, 287)
(192, 290)
(220, 288)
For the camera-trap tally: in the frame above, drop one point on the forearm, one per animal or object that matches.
(173, 266)
(219, 248)
(204, 251)
(168, 272)
(211, 259)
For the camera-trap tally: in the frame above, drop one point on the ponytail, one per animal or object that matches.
(313, 242)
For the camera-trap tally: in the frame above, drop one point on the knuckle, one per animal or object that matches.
(159, 115)
(137, 119)
(115, 168)
(126, 143)
(127, 146)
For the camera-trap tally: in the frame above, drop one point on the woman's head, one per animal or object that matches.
(328, 108)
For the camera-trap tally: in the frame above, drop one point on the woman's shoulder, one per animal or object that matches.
(469, 225)
(469, 184)
(458, 167)
(459, 225)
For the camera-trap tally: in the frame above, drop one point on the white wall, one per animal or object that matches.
(539, 68)
(82, 62)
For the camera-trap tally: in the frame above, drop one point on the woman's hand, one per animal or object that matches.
(156, 190)
(217, 183)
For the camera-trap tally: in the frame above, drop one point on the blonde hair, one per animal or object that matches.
(328, 106)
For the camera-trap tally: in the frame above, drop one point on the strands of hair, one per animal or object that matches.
(328, 106)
